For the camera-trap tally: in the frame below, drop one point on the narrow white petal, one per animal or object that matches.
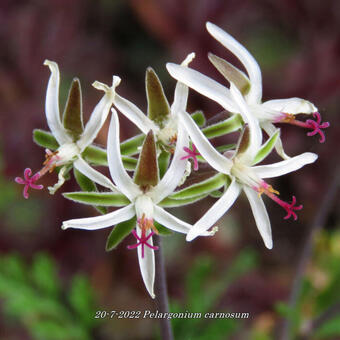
(261, 216)
(202, 84)
(254, 126)
(103, 221)
(286, 166)
(147, 264)
(175, 172)
(133, 113)
(219, 208)
(172, 222)
(52, 105)
(181, 90)
(181, 99)
(207, 151)
(189, 58)
(93, 174)
(291, 105)
(99, 114)
(269, 128)
(249, 62)
(117, 171)
(169, 221)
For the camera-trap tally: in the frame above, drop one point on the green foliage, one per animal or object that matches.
(205, 287)
(98, 198)
(169, 202)
(319, 292)
(229, 125)
(130, 146)
(162, 230)
(87, 185)
(199, 118)
(329, 329)
(34, 296)
(267, 148)
(119, 232)
(97, 156)
(45, 139)
(163, 162)
(211, 184)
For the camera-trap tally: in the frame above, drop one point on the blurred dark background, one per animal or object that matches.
(297, 44)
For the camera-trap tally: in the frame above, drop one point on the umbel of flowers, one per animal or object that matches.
(165, 157)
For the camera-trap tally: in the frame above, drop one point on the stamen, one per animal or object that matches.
(29, 182)
(271, 193)
(144, 224)
(173, 140)
(192, 153)
(266, 187)
(315, 125)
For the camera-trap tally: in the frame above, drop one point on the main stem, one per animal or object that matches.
(161, 299)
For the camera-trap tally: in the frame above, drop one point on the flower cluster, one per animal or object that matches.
(170, 143)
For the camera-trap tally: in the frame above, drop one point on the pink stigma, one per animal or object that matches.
(316, 126)
(290, 208)
(192, 153)
(142, 241)
(29, 182)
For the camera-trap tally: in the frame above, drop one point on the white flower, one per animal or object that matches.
(144, 202)
(269, 112)
(70, 148)
(244, 176)
(168, 132)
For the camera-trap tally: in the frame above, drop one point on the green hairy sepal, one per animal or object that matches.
(98, 198)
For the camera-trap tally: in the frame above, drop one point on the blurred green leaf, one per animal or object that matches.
(329, 329)
(272, 46)
(33, 296)
(82, 299)
(204, 288)
(44, 274)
